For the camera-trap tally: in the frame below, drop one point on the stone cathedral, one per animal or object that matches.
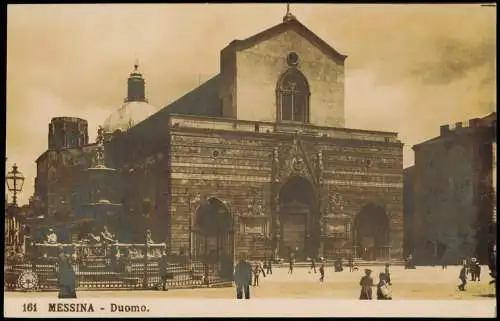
(257, 159)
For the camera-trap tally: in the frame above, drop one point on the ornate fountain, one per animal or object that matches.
(101, 181)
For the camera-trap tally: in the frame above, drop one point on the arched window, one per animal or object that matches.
(293, 96)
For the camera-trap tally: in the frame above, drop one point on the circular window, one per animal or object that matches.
(292, 59)
(215, 153)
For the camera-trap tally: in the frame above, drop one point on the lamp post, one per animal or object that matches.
(15, 182)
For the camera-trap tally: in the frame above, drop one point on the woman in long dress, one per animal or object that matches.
(383, 292)
(366, 284)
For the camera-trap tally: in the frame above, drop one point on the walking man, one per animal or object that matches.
(66, 277)
(322, 272)
(387, 274)
(463, 278)
(269, 267)
(243, 277)
(477, 271)
(163, 266)
(472, 269)
(313, 265)
(351, 263)
(290, 265)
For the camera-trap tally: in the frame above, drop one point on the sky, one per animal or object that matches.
(410, 68)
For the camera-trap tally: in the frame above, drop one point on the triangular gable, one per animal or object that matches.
(291, 24)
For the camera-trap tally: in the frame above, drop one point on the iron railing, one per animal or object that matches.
(114, 266)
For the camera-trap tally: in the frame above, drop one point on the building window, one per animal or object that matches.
(293, 96)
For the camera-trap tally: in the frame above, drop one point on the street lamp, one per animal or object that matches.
(15, 181)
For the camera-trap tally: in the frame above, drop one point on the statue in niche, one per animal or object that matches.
(260, 209)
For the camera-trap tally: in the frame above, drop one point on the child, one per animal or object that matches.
(256, 272)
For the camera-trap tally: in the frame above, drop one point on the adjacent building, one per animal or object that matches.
(451, 193)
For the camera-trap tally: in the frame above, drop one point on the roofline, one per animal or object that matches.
(277, 123)
(240, 45)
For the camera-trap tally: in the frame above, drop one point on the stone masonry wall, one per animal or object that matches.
(236, 168)
(258, 69)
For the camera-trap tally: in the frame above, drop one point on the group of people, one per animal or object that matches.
(471, 267)
(383, 290)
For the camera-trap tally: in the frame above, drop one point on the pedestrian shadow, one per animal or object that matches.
(488, 295)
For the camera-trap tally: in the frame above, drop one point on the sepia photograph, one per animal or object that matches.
(265, 159)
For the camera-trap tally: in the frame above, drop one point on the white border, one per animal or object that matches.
(168, 307)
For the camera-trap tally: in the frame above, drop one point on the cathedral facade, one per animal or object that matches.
(257, 159)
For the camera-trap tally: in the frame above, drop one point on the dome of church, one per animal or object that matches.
(128, 115)
(135, 108)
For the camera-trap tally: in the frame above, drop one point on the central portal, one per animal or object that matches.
(298, 220)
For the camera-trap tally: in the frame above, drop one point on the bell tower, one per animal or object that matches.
(67, 132)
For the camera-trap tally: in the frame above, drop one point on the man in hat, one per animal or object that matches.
(66, 277)
(163, 267)
(472, 269)
(366, 284)
(51, 237)
(243, 277)
(475, 270)
(313, 265)
(388, 274)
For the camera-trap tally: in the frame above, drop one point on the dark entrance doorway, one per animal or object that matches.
(213, 237)
(371, 234)
(299, 224)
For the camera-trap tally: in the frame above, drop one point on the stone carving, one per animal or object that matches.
(335, 203)
(322, 223)
(99, 157)
(276, 164)
(255, 206)
(319, 167)
(295, 163)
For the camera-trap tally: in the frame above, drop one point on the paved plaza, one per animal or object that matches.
(423, 283)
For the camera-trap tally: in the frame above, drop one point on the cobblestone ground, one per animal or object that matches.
(431, 283)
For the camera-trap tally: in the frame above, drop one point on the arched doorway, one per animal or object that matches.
(371, 234)
(298, 222)
(213, 236)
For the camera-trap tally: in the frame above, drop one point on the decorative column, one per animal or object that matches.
(321, 204)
